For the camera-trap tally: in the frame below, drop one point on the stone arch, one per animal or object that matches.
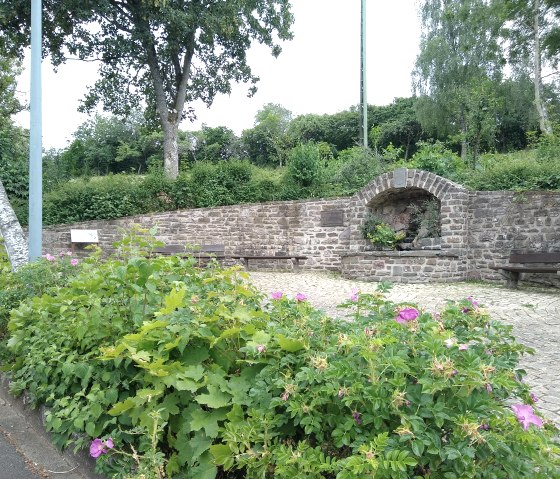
(453, 199)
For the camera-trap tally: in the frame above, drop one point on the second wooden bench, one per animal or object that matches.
(527, 263)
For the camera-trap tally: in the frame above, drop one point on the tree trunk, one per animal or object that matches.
(170, 149)
(544, 122)
(14, 239)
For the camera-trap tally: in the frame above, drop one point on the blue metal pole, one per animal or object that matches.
(35, 137)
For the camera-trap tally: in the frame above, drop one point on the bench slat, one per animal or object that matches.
(527, 269)
(534, 258)
(182, 250)
(245, 256)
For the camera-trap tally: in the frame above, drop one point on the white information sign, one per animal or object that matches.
(84, 236)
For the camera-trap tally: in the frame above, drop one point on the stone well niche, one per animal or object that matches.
(421, 259)
(414, 212)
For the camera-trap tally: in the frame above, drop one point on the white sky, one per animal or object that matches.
(317, 72)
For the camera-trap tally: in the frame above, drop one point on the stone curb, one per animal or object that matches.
(80, 463)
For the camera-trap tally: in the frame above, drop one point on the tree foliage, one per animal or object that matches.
(459, 53)
(167, 53)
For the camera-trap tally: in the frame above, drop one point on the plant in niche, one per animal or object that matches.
(380, 233)
(425, 218)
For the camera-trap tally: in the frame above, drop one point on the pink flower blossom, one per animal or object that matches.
(300, 297)
(355, 295)
(407, 314)
(261, 348)
(474, 305)
(534, 398)
(488, 388)
(357, 417)
(99, 447)
(49, 257)
(74, 261)
(285, 396)
(463, 347)
(277, 295)
(525, 415)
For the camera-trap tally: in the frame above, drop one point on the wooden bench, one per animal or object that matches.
(205, 251)
(245, 258)
(527, 263)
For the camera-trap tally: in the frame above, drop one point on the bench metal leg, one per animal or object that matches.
(512, 278)
(296, 264)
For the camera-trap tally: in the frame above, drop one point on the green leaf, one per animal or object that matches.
(221, 454)
(205, 469)
(90, 429)
(207, 420)
(290, 345)
(121, 407)
(173, 301)
(215, 398)
(191, 450)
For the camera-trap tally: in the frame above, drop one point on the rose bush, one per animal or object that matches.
(166, 369)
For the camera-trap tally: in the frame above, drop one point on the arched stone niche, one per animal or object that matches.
(396, 186)
(387, 195)
(412, 211)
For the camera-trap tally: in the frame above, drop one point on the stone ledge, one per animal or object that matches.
(402, 254)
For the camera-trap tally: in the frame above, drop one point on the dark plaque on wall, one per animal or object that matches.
(332, 218)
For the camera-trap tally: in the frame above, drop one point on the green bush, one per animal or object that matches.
(304, 165)
(435, 157)
(33, 279)
(185, 369)
(104, 197)
(357, 168)
(219, 184)
(514, 172)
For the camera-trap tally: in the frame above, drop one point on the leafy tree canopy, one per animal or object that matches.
(166, 52)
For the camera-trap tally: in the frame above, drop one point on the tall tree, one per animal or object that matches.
(267, 142)
(167, 52)
(459, 50)
(529, 27)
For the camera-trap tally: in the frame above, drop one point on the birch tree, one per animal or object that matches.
(10, 229)
(14, 239)
(530, 26)
(459, 51)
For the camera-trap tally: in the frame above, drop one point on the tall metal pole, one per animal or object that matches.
(363, 84)
(35, 137)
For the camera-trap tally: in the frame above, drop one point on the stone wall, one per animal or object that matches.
(501, 222)
(478, 229)
(292, 227)
(404, 266)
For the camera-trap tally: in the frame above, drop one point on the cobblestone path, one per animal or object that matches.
(533, 313)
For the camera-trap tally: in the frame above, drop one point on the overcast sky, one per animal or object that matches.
(317, 72)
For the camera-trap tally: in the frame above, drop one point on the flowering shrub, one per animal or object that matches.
(164, 369)
(31, 280)
(395, 393)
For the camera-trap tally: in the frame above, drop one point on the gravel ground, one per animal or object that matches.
(534, 314)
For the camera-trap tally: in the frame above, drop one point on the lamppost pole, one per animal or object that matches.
(363, 84)
(35, 137)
